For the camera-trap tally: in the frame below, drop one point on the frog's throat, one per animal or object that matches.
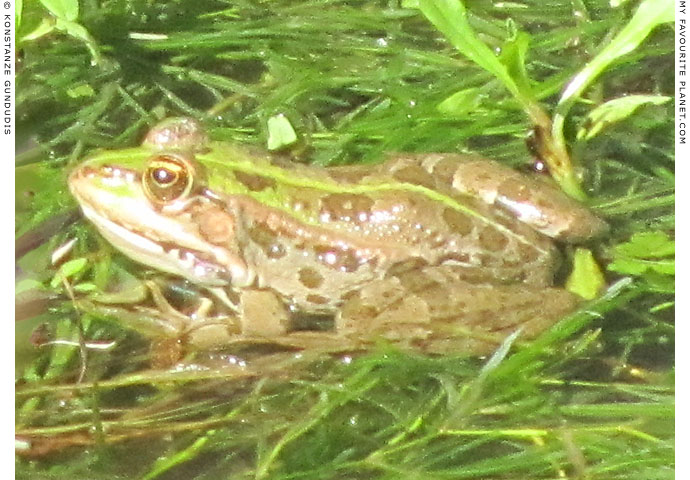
(177, 260)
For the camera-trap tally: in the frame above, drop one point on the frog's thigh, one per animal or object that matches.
(466, 174)
(380, 308)
(439, 314)
(528, 198)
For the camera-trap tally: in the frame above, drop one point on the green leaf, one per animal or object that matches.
(450, 18)
(280, 132)
(68, 270)
(637, 266)
(27, 284)
(63, 9)
(79, 32)
(645, 253)
(84, 287)
(627, 266)
(514, 57)
(648, 245)
(123, 288)
(614, 111)
(649, 15)
(46, 26)
(82, 90)
(461, 102)
(72, 267)
(660, 283)
(586, 279)
(18, 8)
(409, 4)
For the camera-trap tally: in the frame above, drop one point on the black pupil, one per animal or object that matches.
(163, 176)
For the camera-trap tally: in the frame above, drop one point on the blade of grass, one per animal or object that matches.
(649, 15)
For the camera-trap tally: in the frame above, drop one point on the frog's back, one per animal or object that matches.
(337, 229)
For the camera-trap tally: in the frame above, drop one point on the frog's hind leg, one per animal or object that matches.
(531, 199)
(429, 313)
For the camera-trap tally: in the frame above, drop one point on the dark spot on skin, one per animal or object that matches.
(528, 254)
(255, 183)
(347, 207)
(388, 294)
(340, 259)
(358, 315)
(406, 266)
(317, 299)
(458, 257)
(458, 222)
(418, 282)
(512, 261)
(351, 295)
(349, 174)
(485, 259)
(415, 175)
(544, 203)
(267, 240)
(276, 251)
(444, 170)
(491, 239)
(310, 278)
(415, 281)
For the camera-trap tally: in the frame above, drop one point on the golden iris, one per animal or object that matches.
(167, 178)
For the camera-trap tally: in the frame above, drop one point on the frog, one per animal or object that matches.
(438, 252)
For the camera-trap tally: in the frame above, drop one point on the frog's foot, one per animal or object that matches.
(427, 312)
(162, 304)
(198, 327)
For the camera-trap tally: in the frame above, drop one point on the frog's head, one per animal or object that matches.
(149, 202)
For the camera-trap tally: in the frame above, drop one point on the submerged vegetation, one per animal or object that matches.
(341, 82)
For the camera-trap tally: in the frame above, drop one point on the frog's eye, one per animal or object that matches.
(167, 179)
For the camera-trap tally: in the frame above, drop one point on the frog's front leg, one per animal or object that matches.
(434, 310)
(266, 319)
(196, 325)
(263, 314)
(259, 316)
(254, 317)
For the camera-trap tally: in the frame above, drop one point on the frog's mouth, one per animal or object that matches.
(170, 243)
(165, 257)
